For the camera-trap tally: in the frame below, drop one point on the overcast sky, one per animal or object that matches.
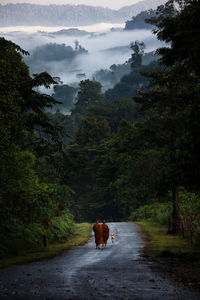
(114, 4)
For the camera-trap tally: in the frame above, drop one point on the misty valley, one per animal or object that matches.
(74, 54)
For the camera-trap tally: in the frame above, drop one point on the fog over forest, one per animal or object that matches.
(105, 45)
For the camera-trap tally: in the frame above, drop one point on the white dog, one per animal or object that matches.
(112, 237)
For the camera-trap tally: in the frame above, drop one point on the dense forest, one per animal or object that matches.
(125, 153)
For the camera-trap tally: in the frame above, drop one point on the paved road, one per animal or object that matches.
(85, 273)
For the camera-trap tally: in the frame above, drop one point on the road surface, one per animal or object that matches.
(84, 273)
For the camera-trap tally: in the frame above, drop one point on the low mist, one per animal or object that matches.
(107, 44)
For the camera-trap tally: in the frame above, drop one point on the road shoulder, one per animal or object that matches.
(170, 254)
(80, 236)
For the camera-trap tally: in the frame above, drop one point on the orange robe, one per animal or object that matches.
(97, 228)
(105, 229)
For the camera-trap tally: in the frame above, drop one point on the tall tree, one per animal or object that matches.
(179, 26)
(28, 137)
(89, 93)
(136, 57)
(176, 92)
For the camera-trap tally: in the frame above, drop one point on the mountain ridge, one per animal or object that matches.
(25, 14)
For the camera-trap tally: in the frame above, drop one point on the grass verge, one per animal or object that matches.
(158, 242)
(174, 255)
(80, 236)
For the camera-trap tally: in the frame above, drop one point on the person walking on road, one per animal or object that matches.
(98, 233)
(105, 230)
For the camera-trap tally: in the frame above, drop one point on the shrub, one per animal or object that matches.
(16, 236)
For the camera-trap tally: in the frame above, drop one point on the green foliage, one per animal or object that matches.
(152, 146)
(189, 206)
(178, 26)
(51, 197)
(157, 212)
(8, 45)
(89, 93)
(190, 209)
(137, 175)
(23, 196)
(78, 235)
(130, 84)
(61, 227)
(110, 77)
(66, 95)
(16, 236)
(29, 148)
(113, 113)
(92, 131)
(173, 92)
(18, 183)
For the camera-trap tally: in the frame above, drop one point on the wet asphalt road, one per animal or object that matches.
(85, 273)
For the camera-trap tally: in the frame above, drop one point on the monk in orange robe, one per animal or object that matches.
(105, 230)
(98, 232)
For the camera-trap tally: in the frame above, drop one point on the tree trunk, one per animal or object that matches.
(170, 222)
(44, 239)
(175, 211)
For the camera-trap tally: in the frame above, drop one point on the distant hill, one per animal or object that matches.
(69, 15)
(133, 10)
(41, 57)
(139, 21)
(71, 32)
(67, 32)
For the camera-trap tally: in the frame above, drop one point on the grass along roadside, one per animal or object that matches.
(171, 254)
(80, 236)
(159, 243)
